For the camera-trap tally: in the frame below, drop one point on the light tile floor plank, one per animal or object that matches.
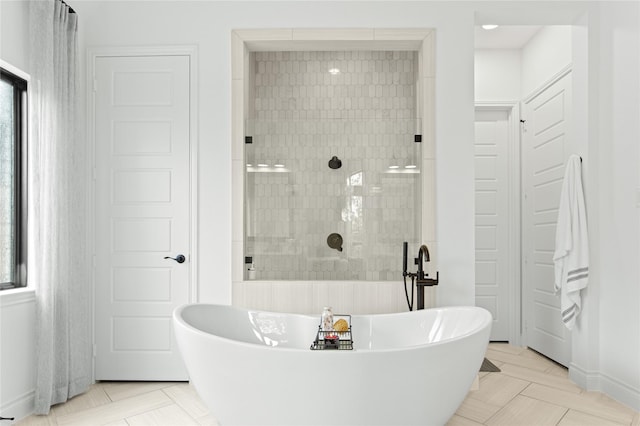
(476, 410)
(49, 420)
(461, 421)
(123, 390)
(542, 378)
(94, 397)
(558, 370)
(578, 418)
(583, 402)
(121, 422)
(165, 416)
(117, 410)
(609, 402)
(524, 361)
(507, 348)
(535, 412)
(498, 389)
(208, 420)
(186, 397)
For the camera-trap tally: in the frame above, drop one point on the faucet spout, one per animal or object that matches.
(423, 256)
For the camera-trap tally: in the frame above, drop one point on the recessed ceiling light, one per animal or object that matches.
(278, 165)
(263, 165)
(490, 26)
(393, 167)
(334, 71)
(249, 165)
(410, 166)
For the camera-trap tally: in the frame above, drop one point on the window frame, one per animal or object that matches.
(20, 84)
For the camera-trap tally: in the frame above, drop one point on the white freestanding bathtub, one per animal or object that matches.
(256, 368)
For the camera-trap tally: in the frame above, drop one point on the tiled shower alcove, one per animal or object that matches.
(359, 106)
(299, 116)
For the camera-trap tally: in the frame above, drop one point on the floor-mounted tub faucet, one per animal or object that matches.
(422, 279)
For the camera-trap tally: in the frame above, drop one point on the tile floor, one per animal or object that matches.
(530, 390)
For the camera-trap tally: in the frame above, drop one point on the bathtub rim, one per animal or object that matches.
(177, 317)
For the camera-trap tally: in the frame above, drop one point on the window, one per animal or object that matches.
(13, 178)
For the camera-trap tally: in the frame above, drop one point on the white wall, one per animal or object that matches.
(14, 38)
(17, 307)
(209, 25)
(547, 53)
(616, 67)
(497, 74)
(17, 353)
(585, 336)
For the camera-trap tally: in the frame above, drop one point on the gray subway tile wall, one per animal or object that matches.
(307, 107)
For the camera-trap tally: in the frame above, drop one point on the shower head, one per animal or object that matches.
(335, 163)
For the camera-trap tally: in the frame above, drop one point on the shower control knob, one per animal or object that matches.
(179, 258)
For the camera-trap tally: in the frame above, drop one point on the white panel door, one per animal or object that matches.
(141, 116)
(546, 143)
(492, 223)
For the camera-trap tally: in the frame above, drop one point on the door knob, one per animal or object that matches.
(179, 258)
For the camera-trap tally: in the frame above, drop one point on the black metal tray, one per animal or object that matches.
(333, 340)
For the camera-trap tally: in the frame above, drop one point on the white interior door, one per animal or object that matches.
(491, 217)
(546, 143)
(141, 119)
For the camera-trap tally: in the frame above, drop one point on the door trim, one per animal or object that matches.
(514, 221)
(112, 51)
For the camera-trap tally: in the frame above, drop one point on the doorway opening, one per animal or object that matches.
(523, 108)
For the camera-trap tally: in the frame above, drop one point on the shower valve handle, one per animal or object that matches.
(179, 258)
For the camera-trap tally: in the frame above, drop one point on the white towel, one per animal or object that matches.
(571, 256)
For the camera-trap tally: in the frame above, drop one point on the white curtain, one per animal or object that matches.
(58, 260)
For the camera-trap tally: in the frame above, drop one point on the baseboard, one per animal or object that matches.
(583, 378)
(19, 407)
(614, 388)
(620, 391)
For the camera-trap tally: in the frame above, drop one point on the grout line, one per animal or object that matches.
(186, 412)
(103, 387)
(180, 403)
(509, 401)
(563, 416)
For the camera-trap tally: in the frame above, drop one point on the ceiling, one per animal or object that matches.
(505, 36)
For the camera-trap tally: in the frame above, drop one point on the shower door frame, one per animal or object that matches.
(246, 41)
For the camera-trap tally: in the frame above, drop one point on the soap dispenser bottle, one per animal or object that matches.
(251, 272)
(327, 319)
